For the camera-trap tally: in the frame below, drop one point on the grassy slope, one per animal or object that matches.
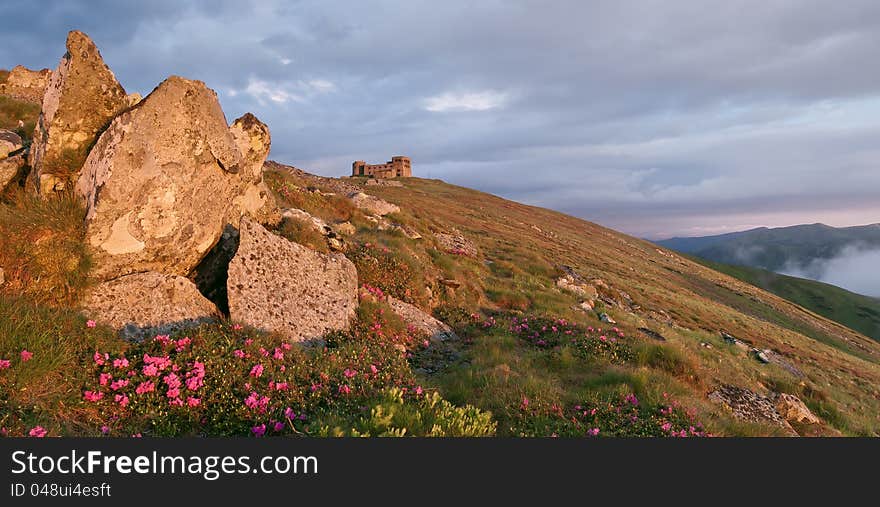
(858, 312)
(530, 389)
(525, 243)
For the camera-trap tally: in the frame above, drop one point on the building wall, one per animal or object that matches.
(397, 167)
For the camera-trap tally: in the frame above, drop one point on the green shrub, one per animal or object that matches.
(399, 413)
(393, 272)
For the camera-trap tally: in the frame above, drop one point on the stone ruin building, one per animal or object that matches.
(397, 167)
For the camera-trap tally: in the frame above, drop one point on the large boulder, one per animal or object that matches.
(26, 85)
(82, 97)
(9, 142)
(148, 303)
(10, 168)
(164, 179)
(793, 410)
(276, 285)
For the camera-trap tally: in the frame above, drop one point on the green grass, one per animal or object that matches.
(11, 111)
(855, 311)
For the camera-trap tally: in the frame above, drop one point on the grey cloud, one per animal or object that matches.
(651, 116)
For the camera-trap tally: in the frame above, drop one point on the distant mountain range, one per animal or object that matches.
(800, 248)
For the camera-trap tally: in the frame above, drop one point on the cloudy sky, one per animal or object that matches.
(656, 118)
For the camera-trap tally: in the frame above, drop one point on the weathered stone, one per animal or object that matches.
(25, 84)
(604, 317)
(254, 141)
(9, 143)
(434, 329)
(133, 98)
(748, 405)
(307, 219)
(372, 204)
(792, 409)
(455, 242)
(81, 99)
(2, 276)
(582, 289)
(10, 168)
(345, 228)
(280, 286)
(164, 179)
(148, 303)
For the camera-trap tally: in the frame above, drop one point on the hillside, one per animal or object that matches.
(522, 251)
(858, 312)
(159, 277)
(795, 247)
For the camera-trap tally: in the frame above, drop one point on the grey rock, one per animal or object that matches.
(434, 329)
(284, 287)
(144, 304)
(372, 204)
(166, 177)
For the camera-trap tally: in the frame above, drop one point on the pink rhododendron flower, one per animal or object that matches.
(278, 354)
(344, 389)
(174, 392)
(259, 430)
(172, 381)
(289, 413)
(26, 356)
(256, 402)
(286, 346)
(419, 391)
(145, 387)
(105, 429)
(193, 402)
(281, 386)
(150, 370)
(349, 373)
(5, 363)
(257, 370)
(120, 363)
(121, 399)
(91, 323)
(182, 343)
(38, 431)
(164, 339)
(237, 327)
(98, 358)
(239, 353)
(373, 369)
(104, 378)
(593, 432)
(92, 395)
(118, 384)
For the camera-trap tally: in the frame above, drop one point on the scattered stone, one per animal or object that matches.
(748, 405)
(26, 85)
(604, 317)
(334, 240)
(652, 334)
(436, 330)
(280, 286)
(455, 242)
(132, 99)
(10, 168)
(143, 304)
(164, 179)
(448, 282)
(761, 356)
(372, 204)
(729, 338)
(706, 345)
(793, 410)
(383, 183)
(587, 305)
(345, 228)
(572, 284)
(10, 142)
(405, 230)
(783, 362)
(82, 97)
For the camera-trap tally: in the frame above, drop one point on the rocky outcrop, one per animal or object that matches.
(26, 85)
(454, 242)
(793, 410)
(432, 328)
(164, 179)
(80, 100)
(10, 142)
(372, 204)
(280, 286)
(148, 303)
(10, 169)
(749, 406)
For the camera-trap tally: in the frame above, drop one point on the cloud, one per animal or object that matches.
(666, 118)
(476, 101)
(854, 269)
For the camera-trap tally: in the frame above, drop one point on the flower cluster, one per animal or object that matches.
(588, 341)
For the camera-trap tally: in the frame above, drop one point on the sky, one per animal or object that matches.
(656, 118)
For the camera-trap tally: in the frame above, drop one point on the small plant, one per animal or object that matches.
(387, 270)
